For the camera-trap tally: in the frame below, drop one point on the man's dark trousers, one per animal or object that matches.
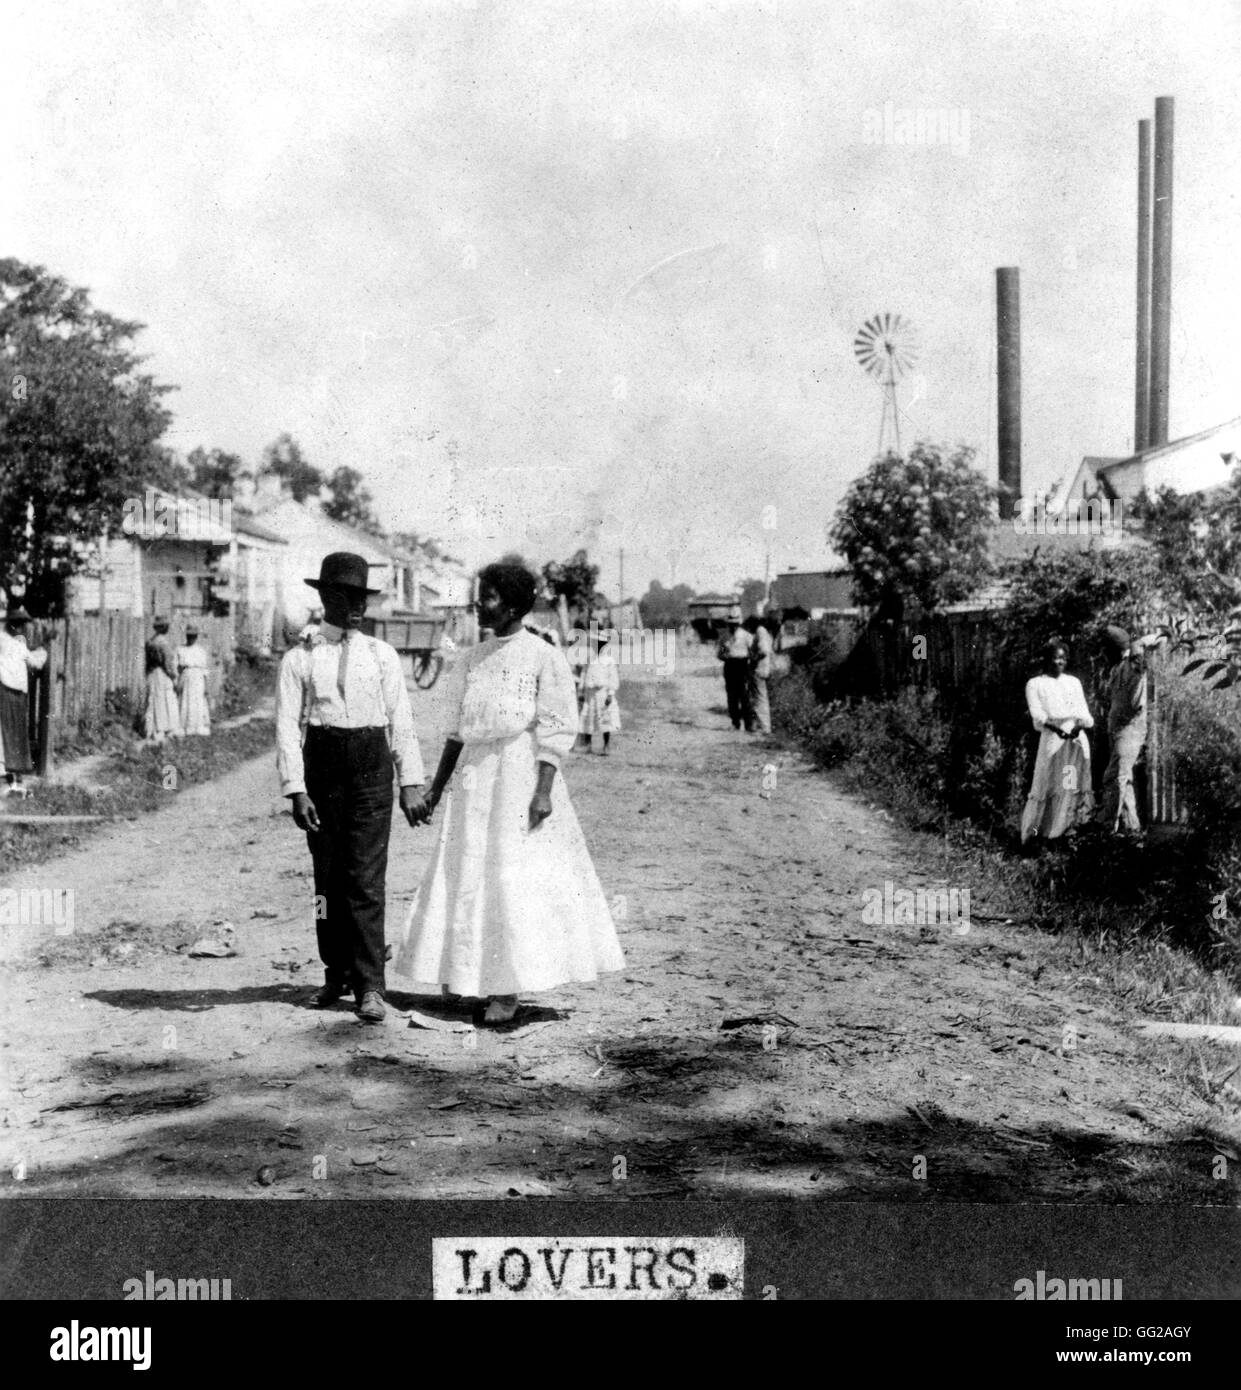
(349, 780)
(737, 687)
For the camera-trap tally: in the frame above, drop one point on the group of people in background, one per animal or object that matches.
(176, 689)
(1061, 795)
(746, 650)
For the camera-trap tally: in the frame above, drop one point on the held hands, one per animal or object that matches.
(305, 817)
(416, 806)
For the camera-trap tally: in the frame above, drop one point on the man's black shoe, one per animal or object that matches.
(371, 1009)
(332, 991)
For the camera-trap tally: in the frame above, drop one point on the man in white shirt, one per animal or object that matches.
(733, 649)
(346, 692)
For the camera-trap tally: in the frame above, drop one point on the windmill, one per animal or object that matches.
(887, 347)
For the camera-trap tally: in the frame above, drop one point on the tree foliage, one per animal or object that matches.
(80, 426)
(915, 528)
(284, 459)
(576, 579)
(348, 501)
(1197, 538)
(215, 473)
(665, 607)
(753, 592)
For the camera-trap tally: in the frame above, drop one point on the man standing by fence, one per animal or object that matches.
(1126, 730)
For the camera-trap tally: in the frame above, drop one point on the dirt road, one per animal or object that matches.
(908, 1062)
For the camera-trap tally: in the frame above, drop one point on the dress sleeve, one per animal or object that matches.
(454, 693)
(555, 728)
(1081, 711)
(1036, 704)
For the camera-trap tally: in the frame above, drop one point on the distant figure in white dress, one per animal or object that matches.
(600, 689)
(192, 667)
(510, 901)
(1061, 794)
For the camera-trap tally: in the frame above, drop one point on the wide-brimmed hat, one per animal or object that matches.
(344, 570)
(18, 615)
(160, 622)
(1118, 639)
(191, 631)
(734, 615)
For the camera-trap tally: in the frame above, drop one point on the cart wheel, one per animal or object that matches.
(427, 670)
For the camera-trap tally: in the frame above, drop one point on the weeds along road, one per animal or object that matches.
(895, 1062)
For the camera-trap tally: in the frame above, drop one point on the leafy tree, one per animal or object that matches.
(284, 459)
(1198, 541)
(430, 546)
(576, 579)
(665, 607)
(753, 592)
(215, 473)
(915, 529)
(348, 501)
(80, 427)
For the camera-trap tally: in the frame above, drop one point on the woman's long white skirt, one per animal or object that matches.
(1061, 794)
(504, 909)
(195, 716)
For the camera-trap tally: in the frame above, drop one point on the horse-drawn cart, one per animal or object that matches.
(414, 635)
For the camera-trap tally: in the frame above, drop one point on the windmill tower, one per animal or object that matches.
(887, 348)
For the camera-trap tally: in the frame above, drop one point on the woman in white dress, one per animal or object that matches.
(1061, 795)
(600, 685)
(192, 667)
(510, 901)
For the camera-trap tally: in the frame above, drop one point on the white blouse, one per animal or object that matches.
(508, 685)
(1051, 699)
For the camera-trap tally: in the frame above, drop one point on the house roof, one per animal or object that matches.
(247, 526)
(1171, 447)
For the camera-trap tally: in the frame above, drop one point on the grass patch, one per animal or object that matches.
(134, 780)
(1145, 920)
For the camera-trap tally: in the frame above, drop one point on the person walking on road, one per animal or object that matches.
(1126, 730)
(510, 901)
(1061, 796)
(161, 718)
(733, 649)
(16, 663)
(600, 691)
(345, 694)
(192, 667)
(761, 648)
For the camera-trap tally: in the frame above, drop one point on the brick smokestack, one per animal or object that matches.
(1142, 364)
(1161, 275)
(1008, 382)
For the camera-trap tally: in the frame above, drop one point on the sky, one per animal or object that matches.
(555, 275)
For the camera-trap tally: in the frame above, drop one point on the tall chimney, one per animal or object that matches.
(1008, 392)
(1161, 275)
(1142, 372)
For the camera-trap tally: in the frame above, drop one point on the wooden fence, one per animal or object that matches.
(967, 657)
(90, 659)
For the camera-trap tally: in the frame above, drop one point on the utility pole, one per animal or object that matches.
(621, 595)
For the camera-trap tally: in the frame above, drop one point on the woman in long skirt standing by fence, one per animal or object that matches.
(16, 662)
(192, 667)
(1061, 794)
(510, 901)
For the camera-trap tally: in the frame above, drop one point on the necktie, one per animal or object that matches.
(344, 664)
